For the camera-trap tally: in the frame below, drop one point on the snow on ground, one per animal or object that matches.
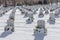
(25, 31)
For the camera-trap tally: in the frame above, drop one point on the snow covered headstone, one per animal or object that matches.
(9, 28)
(59, 11)
(22, 12)
(45, 8)
(35, 11)
(10, 25)
(10, 22)
(40, 30)
(30, 19)
(13, 11)
(26, 14)
(41, 9)
(41, 15)
(57, 14)
(12, 16)
(0, 14)
(39, 35)
(46, 12)
(52, 19)
(41, 25)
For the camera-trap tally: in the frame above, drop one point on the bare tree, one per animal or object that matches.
(0, 2)
(57, 2)
(45, 1)
(5, 3)
(14, 2)
(50, 1)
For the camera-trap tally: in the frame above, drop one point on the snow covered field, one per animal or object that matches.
(25, 31)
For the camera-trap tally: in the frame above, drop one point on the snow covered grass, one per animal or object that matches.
(25, 31)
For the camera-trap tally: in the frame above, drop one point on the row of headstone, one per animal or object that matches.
(27, 14)
(29, 9)
(40, 24)
(42, 11)
(40, 30)
(53, 15)
(30, 14)
(10, 22)
(4, 11)
(53, 7)
(22, 10)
